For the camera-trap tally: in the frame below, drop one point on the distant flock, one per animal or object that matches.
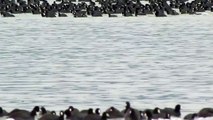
(128, 113)
(98, 8)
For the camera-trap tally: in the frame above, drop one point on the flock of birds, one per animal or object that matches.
(159, 8)
(129, 113)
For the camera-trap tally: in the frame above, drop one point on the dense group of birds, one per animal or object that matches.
(128, 113)
(98, 8)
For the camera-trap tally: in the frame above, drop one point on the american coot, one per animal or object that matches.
(97, 111)
(127, 107)
(3, 112)
(74, 114)
(69, 116)
(73, 110)
(157, 113)
(132, 114)
(190, 116)
(143, 115)
(206, 112)
(104, 116)
(114, 113)
(44, 111)
(147, 115)
(7, 14)
(52, 116)
(23, 114)
(92, 116)
(173, 111)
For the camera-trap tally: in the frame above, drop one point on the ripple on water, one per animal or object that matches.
(99, 63)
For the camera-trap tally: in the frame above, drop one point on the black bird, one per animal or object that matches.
(73, 110)
(24, 114)
(105, 116)
(52, 116)
(158, 113)
(132, 114)
(114, 113)
(92, 116)
(3, 112)
(190, 116)
(148, 115)
(97, 111)
(206, 112)
(173, 112)
(127, 107)
(74, 114)
(7, 14)
(44, 111)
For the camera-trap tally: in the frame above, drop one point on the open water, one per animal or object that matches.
(103, 62)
